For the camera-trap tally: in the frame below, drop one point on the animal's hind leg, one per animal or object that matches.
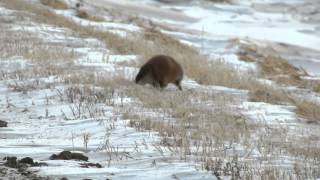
(178, 84)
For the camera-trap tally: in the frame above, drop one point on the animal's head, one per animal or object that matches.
(143, 79)
(145, 76)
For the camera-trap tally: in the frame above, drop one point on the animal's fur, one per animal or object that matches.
(159, 71)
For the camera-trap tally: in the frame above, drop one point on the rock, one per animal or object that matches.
(64, 155)
(27, 160)
(64, 178)
(22, 164)
(79, 156)
(21, 172)
(11, 162)
(37, 164)
(67, 155)
(3, 123)
(87, 165)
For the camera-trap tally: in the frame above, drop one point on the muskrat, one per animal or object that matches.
(159, 71)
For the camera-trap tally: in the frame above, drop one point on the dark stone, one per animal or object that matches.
(27, 160)
(64, 178)
(53, 157)
(3, 124)
(67, 155)
(40, 164)
(64, 155)
(79, 156)
(11, 162)
(87, 165)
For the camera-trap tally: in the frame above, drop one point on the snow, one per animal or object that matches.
(50, 126)
(40, 124)
(100, 25)
(269, 113)
(257, 25)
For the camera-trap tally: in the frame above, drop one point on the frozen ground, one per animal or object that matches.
(41, 121)
(286, 26)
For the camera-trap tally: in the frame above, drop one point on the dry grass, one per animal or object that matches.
(272, 67)
(195, 65)
(316, 88)
(35, 50)
(308, 110)
(85, 15)
(313, 85)
(279, 70)
(198, 126)
(200, 129)
(269, 94)
(56, 4)
(43, 15)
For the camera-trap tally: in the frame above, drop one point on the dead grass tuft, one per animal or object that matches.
(308, 110)
(85, 15)
(279, 70)
(56, 4)
(268, 94)
(272, 67)
(313, 85)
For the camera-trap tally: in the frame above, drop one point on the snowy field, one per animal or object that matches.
(66, 84)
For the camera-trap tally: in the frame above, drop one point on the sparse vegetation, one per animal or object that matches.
(85, 15)
(196, 66)
(272, 67)
(56, 4)
(308, 110)
(280, 71)
(269, 94)
(195, 125)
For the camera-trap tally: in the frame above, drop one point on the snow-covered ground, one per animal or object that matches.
(218, 23)
(40, 124)
(42, 121)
